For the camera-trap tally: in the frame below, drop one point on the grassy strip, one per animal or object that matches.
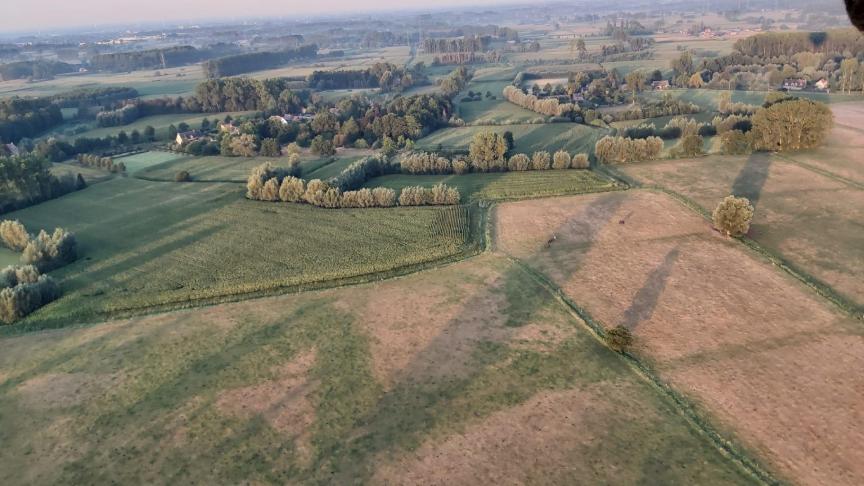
(687, 409)
(822, 172)
(821, 288)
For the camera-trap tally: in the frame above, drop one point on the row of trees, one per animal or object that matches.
(45, 251)
(27, 117)
(620, 150)
(547, 106)
(148, 59)
(775, 44)
(243, 94)
(121, 116)
(267, 183)
(430, 163)
(34, 70)
(104, 163)
(23, 290)
(472, 43)
(254, 61)
(26, 180)
(384, 75)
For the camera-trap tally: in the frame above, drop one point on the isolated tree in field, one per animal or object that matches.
(733, 216)
(619, 338)
(561, 160)
(791, 125)
(182, 176)
(487, 151)
(635, 82)
(244, 145)
(269, 147)
(14, 235)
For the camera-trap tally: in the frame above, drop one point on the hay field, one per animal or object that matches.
(147, 245)
(489, 111)
(810, 219)
(506, 185)
(764, 355)
(471, 373)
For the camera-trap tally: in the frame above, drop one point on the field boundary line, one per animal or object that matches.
(694, 417)
(820, 171)
(819, 287)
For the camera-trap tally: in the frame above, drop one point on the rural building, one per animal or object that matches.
(794, 84)
(660, 85)
(186, 137)
(822, 84)
(280, 119)
(10, 148)
(229, 128)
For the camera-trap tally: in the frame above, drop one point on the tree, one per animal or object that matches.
(508, 138)
(849, 78)
(635, 82)
(172, 132)
(182, 176)
(487, 151)
(122, 137)
(791, 125)
(322, 146)
(135, 136)
(561, 160)
(14, 235)
(683, 65)
(733, 216)
(691, 145)
(696, 81)
(269, 147)
(736, 142)
(243, 145)
(205, 124)
(150, 133)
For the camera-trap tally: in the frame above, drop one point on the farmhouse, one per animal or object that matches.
(794, 84)
(660, 85)
(822, 84)
(186, 137)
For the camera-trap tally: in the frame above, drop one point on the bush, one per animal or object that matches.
(690, 146)
(561, 160)
(51, 251)
(733, 216)
(519, 162)
(384, 197)
(619, 338)
(540, 160)
(292, 189)
(460, 166)
(183, 176)
(621, 150)
(14, 235)
(580, 161)
(736, 142)
(23, 290)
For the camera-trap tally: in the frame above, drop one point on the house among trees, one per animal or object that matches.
(793, 84)
(822, 84)
(230, 128)
(661, 85)
(186, 137)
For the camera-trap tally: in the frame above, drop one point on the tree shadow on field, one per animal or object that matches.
(645, 300)
(751, 179)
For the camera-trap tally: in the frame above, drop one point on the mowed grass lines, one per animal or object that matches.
(139, 162)
(489, 111)
(506, 185)
(154, 244)
(573, 137)
(466, 374)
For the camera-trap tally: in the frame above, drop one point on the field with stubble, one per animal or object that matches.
(751, 345)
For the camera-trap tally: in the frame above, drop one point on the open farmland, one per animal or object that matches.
(489, 111)
(161, 123)
(707, 313)
(90, 174)
(463, 374)
(824, 239)
(145, 160)
(573, 137)
(146, 245)
(506, 185)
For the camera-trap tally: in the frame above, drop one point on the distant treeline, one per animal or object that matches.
(242, 94)
(254, 61)
(34, 69)
(774, 44)
(27, 117)
(93, 96)
(149, 59)
(464, 44)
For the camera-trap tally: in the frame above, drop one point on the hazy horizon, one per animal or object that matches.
(42, 15)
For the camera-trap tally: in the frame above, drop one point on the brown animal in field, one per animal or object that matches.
(552, 239)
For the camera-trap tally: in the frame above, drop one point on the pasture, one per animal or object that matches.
(145, 160)
(90, 174)
(467, 373)
(506, 185)
(150, 245)
(573, 137)
(160, 123)
(489, 111)
(823, 238)
(757, 350)
(9, 257)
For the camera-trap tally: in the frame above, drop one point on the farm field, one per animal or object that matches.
(709, 99)
(9, 257)
(489, 111)
(824, 239)
(89, 174)
(467, 373)
(141, 162)
(146, 245)
(178, 81)
(575, 138)
(707, 314)
(160, 123)
(506, 185)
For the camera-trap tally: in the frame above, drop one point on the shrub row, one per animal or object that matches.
(619, 150)
(97, 162)
(548, 106)
(23, 290)
(433, 163)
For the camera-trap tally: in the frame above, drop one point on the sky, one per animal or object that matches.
(45, 15)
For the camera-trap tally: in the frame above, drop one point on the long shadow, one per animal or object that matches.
(752, 177)
(645, 300)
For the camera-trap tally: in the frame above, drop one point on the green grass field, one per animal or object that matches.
(159, 122)
(90, 174)
(573, 137)
(506, 185)
(143, 161)
(146, 244)
(331, 169)
(395, 382)
(9, 257)
(488, 111)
